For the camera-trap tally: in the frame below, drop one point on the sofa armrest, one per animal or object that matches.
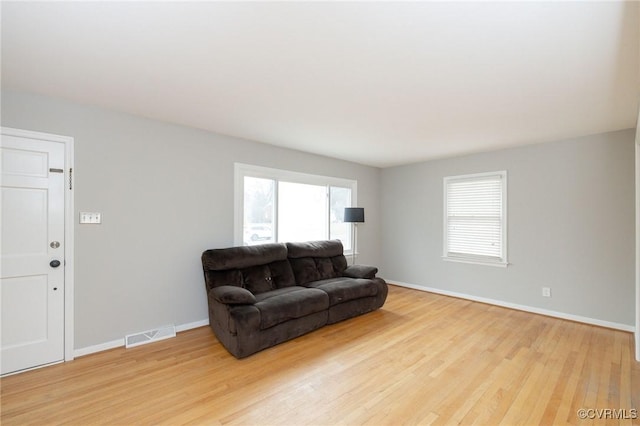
(360, 271)
(232, 295)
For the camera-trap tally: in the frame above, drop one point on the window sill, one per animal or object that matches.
(475, 261)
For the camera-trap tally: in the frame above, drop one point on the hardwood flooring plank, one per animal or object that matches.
(422, 359)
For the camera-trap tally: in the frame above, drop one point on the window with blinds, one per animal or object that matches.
(475, 219)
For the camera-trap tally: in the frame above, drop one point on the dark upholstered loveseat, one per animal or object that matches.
(263, 295)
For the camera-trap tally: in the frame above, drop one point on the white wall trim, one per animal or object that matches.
(192, 325)
(69, 223)
(533, 310)
(120, 342)
(100, 347)
(637, 166)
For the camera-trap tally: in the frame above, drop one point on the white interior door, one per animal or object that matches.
(32, 248)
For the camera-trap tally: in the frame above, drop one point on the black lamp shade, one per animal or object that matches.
(354, 214)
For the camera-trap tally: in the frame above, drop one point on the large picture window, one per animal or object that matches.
(277, 206)
(475, 218)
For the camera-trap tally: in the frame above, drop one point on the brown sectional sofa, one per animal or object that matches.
(263, 295)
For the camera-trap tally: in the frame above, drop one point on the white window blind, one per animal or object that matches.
(475, 218)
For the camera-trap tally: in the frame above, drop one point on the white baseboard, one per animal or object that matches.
(531, 309)
(99, 348)
(192, 325)
(120, 342)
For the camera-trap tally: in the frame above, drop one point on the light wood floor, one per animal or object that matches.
(422, 359)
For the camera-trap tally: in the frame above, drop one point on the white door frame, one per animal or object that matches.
(69, 222)
(637, 331)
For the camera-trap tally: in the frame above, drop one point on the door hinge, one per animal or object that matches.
(70, 178)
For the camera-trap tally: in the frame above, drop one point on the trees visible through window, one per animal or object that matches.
(280, 206)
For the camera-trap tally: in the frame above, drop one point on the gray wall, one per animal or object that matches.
(166, 194)
(570, 227)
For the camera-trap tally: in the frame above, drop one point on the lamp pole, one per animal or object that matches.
(354, 215)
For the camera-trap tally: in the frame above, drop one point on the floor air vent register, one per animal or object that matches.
(144, 337)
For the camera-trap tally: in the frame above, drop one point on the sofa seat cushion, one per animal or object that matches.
(280, 305)
(344, 289)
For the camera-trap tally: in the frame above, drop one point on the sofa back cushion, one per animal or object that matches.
(316, 260)
(257, 268)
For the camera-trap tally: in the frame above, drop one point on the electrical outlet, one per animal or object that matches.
(546, 291)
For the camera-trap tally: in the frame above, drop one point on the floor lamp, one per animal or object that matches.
(354, 215)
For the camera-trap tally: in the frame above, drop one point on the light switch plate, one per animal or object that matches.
(91, 217)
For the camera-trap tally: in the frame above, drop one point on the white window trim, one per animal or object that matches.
(241, 170)
(473, 259)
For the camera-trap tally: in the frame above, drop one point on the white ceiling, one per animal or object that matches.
(378, 83)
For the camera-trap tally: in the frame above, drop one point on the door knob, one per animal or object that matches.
(54, 263)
